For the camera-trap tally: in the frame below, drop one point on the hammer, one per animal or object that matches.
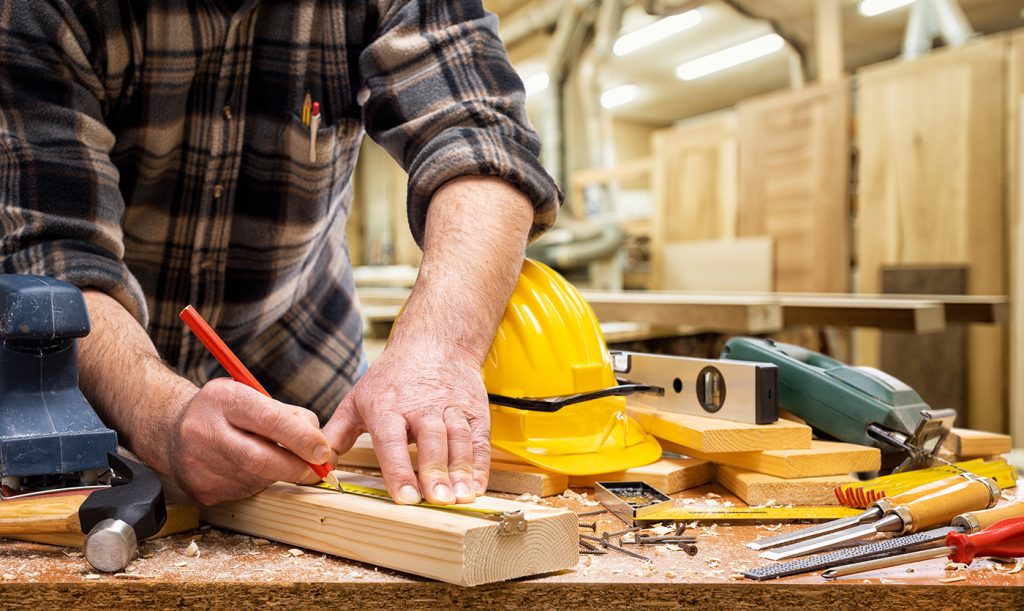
(113, 519)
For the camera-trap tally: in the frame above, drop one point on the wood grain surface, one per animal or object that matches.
(239, 571)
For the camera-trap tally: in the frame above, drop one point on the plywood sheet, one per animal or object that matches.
(694, 184)
(931, 137)
(794, 183)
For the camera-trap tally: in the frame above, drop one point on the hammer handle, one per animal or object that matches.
(56, 514)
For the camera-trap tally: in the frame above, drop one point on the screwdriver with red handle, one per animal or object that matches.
(239, 372)
(1005, 538)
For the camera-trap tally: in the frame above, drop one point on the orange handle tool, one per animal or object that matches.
(230, 362)
(1004, 538)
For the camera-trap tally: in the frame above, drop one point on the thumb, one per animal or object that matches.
(345, 426)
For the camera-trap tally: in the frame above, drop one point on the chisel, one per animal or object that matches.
(876, 511)
(1004, 538)
(922, 513)
(964, 523)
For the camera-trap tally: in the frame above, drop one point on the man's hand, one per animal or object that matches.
(422, 394)
(230, 442)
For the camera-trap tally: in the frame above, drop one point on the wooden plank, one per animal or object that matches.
(933, 364)
(506, 476)
(967, 444)
(822, 458)
(670, 475)
(931, 136)
(741, 264)
(694, 184)
(828, 40)
(1015, 231)
(719, 312)
(711, 435)
(794, 183)
(445, 545)
(919, 316)
(761, 489)
(181, 517)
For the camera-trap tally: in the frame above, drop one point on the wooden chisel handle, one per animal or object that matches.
(941, 507)
(977, 520)
(56, 514)
(886, 504)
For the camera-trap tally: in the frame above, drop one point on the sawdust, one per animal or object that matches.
(528, 498)
(661, 530)
(192, 549)
(955, 566)
(180, 564)
(1016, 568)
(771, 527)
(260, 542)
(296, 551)
(713, 562)
(953, 579)
(91, 576)
(585, 560)
(670, 575)
(712, 495)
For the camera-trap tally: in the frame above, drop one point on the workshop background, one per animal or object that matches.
(773, 147)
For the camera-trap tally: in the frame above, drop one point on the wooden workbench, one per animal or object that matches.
(240, 571)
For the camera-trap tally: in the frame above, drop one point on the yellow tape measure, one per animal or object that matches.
(748, 514)
(511, 522)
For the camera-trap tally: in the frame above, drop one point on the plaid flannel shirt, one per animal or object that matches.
(156, 151)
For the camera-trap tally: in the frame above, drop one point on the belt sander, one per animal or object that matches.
(859, 405)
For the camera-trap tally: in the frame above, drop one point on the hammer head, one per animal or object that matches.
(136, 497)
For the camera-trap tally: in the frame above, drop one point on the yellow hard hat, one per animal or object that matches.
(550, 345)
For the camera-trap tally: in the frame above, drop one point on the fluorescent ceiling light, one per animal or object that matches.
(617, 96)
(870, 8)
(655, 32)
(727, 58)
(536, 83)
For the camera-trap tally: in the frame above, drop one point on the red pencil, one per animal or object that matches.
(238, 371)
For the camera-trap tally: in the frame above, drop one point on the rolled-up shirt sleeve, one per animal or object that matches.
(445, 102)
(60, 205)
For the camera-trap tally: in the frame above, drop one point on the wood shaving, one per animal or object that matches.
(528, 498)
(687, 501)
(693, 524)
(661, 530)
(72, 554)
(180, 564)
(670, 575)
(712, 503)
(91, 576)
(585, 560)
(772, 527)
(627, 537)
(1016, 568)
(296, 551)
(713, 562)
(260, 542)
(712, 495)
(884, 580)
(192, 549)
(954, 566)
(953, 579)
(735, 576)
(672, 547)
(728, 504)
(572, 494)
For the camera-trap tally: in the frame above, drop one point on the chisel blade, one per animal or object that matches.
(820, 543)
(806, 533)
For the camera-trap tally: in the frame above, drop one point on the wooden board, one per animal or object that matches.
(180, 518)
(694, 183)
(760, 489)
(966, 444)
(443, 545)
(741, 264)
(711, 435)
(919, 316)
(931, 136)
(505, 476)
(670, 475)
(933, 364)
(717, 312)
(1015, 231)
(794, 183)
(822, 458)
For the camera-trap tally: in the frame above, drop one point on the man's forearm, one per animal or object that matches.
(124, 378)
(476, 233)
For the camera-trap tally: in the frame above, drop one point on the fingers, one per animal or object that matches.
(391, 444)
(251, 411)
(344, 427)
(481, 441)
(432, 445)
(460, 454)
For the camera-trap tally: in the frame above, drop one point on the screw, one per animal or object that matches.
(591, 526)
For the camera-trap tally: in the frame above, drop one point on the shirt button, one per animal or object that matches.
(218, 191)
(229, 113)
(208, 264)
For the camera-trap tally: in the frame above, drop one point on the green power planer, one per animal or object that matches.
(853, 404)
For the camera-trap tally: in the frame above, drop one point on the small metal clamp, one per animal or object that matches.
(512, 523)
